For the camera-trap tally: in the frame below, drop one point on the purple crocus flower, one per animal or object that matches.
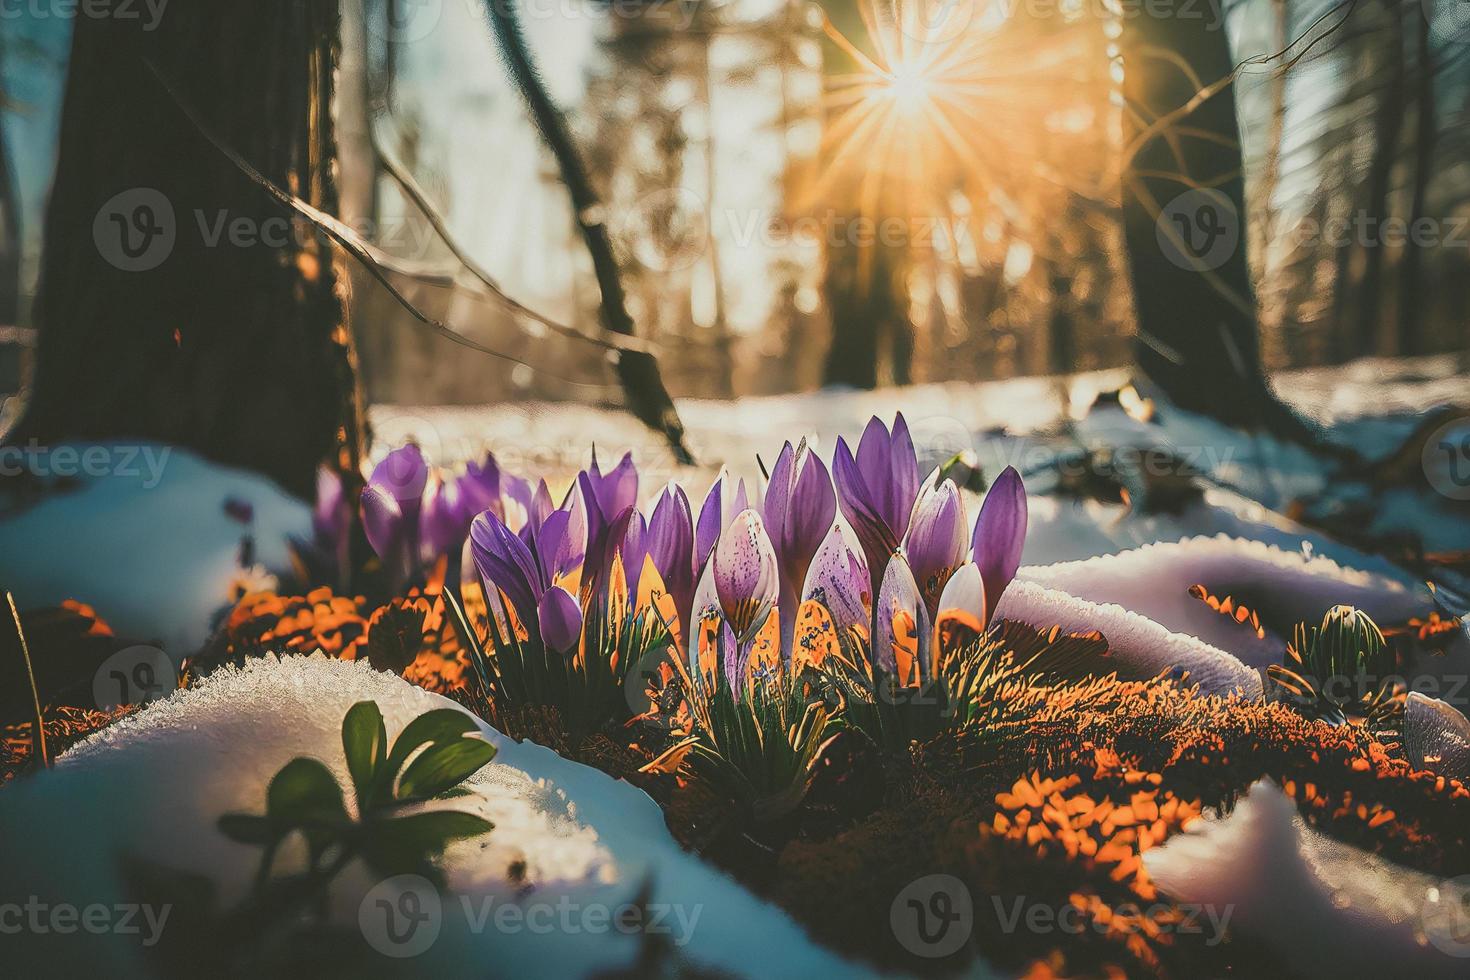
(876, 489)
(525, 571)
(627, 539)
(1000, 534)
(901, 621)
(605, 498)
(617, 490)
(560, 620)
(799, 508)
(392, 505)
(935, 541)
(480, 488)
(725, 499)
(725, 651)
(671, 546)
(838, 579)
(747, 579)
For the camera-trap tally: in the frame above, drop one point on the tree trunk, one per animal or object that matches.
(1194, 300)
(1410, 327)
(1388, 128)
(177, 301)
(864, 282)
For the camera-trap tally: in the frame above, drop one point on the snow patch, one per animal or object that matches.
(153, 786)
(1138, 643)
(1283, 587)
(1323, 908)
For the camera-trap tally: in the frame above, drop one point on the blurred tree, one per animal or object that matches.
(1192, 290)
(866, 286)
(1410, 329)
(10, 241)
(638, 371)
(178, 302)
(1368, 265)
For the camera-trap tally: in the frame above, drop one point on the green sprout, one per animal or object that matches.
(586, 688)
(760, 747)
(391, 832)
(1335, 668)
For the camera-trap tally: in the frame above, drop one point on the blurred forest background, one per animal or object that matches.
(720, 139)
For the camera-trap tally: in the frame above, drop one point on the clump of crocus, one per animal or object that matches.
(752, 597)
(413, 513)
(1334, 669)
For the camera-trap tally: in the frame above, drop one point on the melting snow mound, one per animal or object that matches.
(152, 787)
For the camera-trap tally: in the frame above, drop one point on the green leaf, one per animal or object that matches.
(433, 727)
(429, 833)
(365, 743)
(304, 794)
(408, 845)
(442, 767)
(247, 828)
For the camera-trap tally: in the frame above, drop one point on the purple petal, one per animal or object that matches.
(838, 579)
(890, 471)
(629, 537)
(560, 619)
(507, 564)
(541, 504)
(402, 475)
(800, 507)
(935, 543)
(446, 519)
(329, 516)
(873, 532)
(480, 486)
(616, 491)
(1000, 533)
(382, 520)
(711, 520)
(560, 545)
(746, 576)
(671, 545)
(899, 602)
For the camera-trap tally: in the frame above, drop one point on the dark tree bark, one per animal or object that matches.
(1388, 129)
(1197, 336)
(177, 301)
(1410, 325)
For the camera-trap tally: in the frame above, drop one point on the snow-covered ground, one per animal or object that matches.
(152, 787)
(1317, 906)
